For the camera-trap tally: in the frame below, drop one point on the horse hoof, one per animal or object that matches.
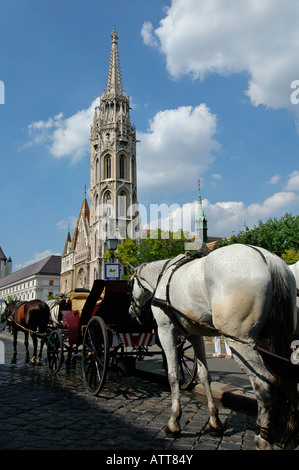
(174, 434)
(262, 444)
(214, 432)
(39, 362)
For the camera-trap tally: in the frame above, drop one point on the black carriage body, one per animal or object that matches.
(110, 300)
(109, 335)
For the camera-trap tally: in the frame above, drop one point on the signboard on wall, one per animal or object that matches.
(112, 271)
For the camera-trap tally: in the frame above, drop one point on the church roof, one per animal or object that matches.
(75, 238)
(72, 242)
(2, 255)
(46, 266)
(84, 210)
(67, 242)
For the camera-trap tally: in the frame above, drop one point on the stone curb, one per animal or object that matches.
(230, 395)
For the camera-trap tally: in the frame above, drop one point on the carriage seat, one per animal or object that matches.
(78, 300)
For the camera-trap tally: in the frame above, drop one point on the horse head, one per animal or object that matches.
(141, 294)
(9, 308)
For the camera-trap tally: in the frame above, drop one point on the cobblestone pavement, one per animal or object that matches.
(42, 412)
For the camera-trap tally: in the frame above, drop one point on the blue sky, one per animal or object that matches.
(210, 87)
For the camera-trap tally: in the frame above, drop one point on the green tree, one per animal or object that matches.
(276, 235)
(127, 252)
(290, 256)
(157, 245)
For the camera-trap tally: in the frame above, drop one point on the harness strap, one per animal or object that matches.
(265, 433)
(164, 305)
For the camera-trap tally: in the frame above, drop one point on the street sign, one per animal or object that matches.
(112, 271)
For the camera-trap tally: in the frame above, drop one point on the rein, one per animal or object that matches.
(12, 320)
(26, 329)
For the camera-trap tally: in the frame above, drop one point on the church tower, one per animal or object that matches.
(113, 187)
(201, 221)
(110, 216)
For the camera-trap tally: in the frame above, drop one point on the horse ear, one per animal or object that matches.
(6, 302)
(131, 268)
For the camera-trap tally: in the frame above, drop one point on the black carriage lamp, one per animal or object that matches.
(112, 245)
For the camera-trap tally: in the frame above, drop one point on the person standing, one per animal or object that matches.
(217, 341)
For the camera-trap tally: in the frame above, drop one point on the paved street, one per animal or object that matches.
(42, 412)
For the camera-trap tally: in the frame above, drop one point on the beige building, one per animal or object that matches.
(113, 187)
(36, 281)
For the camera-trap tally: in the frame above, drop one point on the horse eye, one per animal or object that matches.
(130, 283)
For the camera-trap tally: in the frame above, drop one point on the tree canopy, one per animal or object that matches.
(276, 235)
(280, 236)
(157, 245)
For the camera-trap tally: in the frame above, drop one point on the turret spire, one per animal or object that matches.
(201, 220)
(114, 85)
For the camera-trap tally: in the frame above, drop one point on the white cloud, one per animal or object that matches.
(147, 34)
(69, 223)
(178, 146)
(274, 179)
(37, 257)
(293, 182)
(231, 36)
(65, 137)
(224, 217)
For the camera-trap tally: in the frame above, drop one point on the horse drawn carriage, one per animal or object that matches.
(98, 327)
(244, 293)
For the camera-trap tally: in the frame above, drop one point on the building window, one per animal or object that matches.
(122, 162)
(97, 175)
(108, 204)
(107, 169)
(122, 204)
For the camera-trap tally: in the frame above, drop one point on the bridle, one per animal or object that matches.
(135, 306)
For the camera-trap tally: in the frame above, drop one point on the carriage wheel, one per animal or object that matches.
(187, 363)
(55, 351)
(95, 355)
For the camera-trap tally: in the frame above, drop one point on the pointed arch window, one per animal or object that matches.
(107, 167)
(122, 204)
(122, 166)
(108, 203)
(96, 207)
(97, 173)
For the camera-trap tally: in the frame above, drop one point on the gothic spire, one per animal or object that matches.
(114, 85)
(201, 220)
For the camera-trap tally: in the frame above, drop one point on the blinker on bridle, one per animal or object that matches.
(134, 303)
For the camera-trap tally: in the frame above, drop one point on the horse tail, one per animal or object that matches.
(280, 330)
(281, 320)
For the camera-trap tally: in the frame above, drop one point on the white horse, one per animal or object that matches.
(247, 294)
(56, 305)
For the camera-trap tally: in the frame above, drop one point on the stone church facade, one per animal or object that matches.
(113, 185)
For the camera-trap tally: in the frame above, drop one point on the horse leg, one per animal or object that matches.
(39, 359)
(15, 341)
(26, 343)
(205, 379)
(34, 340)
(262, 382)
(168, 338)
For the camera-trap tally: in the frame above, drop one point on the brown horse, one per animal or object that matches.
(30, 317)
